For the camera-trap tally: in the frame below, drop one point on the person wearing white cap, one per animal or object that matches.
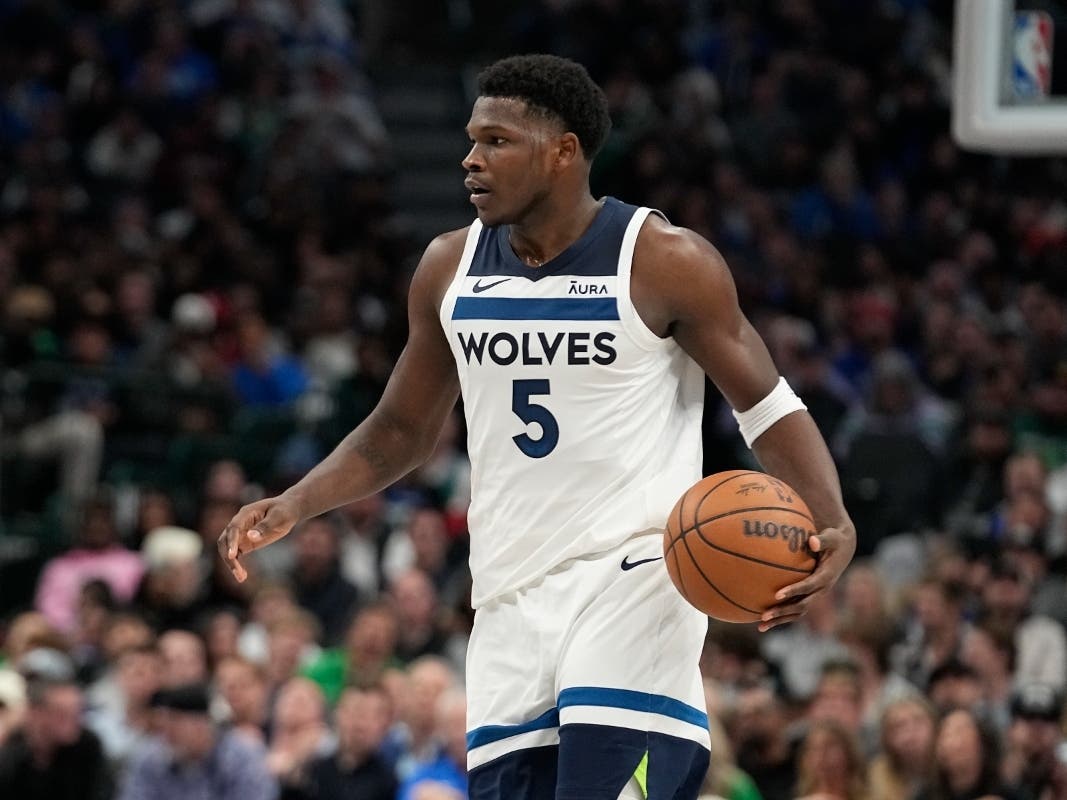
(173, 589)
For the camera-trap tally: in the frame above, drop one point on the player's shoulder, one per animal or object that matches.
(676, 274)
(439, 262)
(672, 249)
(445, 249)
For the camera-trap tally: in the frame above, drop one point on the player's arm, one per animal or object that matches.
(397, 436)
(683, 288)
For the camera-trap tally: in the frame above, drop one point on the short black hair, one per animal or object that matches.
(555, 87)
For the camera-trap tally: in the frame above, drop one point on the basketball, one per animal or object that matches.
(734, 539)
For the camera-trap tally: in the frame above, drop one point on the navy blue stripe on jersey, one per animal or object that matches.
(546, 308)
(596, 252)
(487, 734)
(635, 701)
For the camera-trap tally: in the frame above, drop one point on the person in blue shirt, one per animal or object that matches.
(450, 767)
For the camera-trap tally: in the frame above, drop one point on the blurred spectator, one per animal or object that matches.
(889, 449)
(967, 760)
(221, 633)
(799, 650)
(12, 703)
(990, 653)
(141, 336)
(172, 592)
(905, 766)
(184, 658)
(869, 650)
(418, 616)
(52, 757)
(1034, 742)
(124, 151)
(243, 687)
(414, 741)
(1040, 642)
(829, 764)
(47, 664)
(936, 632)
(127, 725)
(298, 734)
(450, 767)
(762, 742)
(369, 649)
(865, 602)
(433, 790)
(799, 358)
(99, 555)
(331, 345)
(317, 581)
(424, 544)
(172, 70)
(975, 466)
(725, 779)
(291, 646)
(73, 437)
(363, 717)
(732, 659)
(95, 607)
(339, 128)
(269, 603)
(364, 542)
(126, 630)
(194, 758)
(155, 509)
(447, 479)
(226, 481)
(954, 685)
(264, 375)
(838, 697)
(29, 631)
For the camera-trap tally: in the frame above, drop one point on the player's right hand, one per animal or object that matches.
(254, 526)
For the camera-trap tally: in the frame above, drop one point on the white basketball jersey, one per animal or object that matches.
(583, 425)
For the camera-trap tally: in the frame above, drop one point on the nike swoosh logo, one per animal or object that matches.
(628, 565)
(479, 288)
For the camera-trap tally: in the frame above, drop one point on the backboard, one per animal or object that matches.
(1010, 76)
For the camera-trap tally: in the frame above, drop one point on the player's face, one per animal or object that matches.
(510, 163)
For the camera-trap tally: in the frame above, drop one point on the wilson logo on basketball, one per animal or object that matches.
(794, 535)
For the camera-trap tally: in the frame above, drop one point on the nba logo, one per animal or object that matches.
(1031, 68)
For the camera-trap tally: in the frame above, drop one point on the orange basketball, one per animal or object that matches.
(734, 539)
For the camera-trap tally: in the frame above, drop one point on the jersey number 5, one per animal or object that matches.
(528, 412)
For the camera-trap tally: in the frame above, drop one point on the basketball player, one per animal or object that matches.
(578, 330)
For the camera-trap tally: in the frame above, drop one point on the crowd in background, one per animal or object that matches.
(202, 288)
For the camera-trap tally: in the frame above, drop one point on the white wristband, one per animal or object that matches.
(781, 401)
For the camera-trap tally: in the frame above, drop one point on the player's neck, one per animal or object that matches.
(553, 227)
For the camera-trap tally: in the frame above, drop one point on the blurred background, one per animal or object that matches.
(209, 214)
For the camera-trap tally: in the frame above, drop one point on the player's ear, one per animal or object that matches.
(568, 149)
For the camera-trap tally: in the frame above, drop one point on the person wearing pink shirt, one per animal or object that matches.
(96, 555)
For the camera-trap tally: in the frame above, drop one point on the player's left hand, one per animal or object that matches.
(833, 549)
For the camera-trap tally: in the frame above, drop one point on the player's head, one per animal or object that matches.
(538, 122)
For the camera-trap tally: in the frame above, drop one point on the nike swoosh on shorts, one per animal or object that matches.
(627, 565)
